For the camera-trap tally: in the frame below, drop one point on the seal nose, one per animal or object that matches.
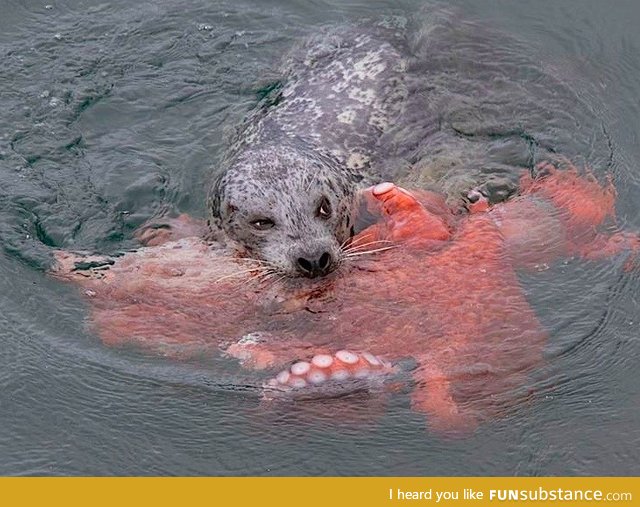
(315, 267)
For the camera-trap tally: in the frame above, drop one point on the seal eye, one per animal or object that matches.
(324, 209)
(262, 224)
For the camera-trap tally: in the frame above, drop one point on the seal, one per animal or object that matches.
(289, 182)
(414, 104)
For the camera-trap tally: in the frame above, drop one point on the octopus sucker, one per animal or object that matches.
(347, 357)
(322, 360)
(323, 368)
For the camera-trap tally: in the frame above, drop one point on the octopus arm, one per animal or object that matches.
(343, 368)
(560, 214)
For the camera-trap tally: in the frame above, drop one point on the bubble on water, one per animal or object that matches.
(54, 102)
(203, 27)
(45, 94)
(58, 36)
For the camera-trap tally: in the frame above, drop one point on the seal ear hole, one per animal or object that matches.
(324, 208)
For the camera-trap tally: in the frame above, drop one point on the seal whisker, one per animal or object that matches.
(267, 264)
(249, 259)
(262, 264)
(356, 241)
(358, 248)
(263, 276)
(242, 272)
(274, 280)
(269, 275)
(356, 254)
(344, 243)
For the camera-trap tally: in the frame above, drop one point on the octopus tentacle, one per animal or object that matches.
(324, 369)
(406, 217)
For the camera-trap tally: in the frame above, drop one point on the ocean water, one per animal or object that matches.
(114, 112)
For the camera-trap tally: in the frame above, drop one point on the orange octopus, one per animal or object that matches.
(422, 282)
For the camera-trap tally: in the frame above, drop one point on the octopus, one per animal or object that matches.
(427, 294)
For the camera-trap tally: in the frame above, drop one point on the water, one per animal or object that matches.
(112, 113)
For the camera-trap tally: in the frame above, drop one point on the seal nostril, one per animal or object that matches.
(305, 265)
(324, 261)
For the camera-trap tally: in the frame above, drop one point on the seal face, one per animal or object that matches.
(289, 181)
(290, 208)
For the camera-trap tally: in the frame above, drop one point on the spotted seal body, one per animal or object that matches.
(290, 178)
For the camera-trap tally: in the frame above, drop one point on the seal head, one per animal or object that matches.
(288, 207)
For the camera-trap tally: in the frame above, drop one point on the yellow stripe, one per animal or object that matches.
(325, 492)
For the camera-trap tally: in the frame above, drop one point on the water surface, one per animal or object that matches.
(115, 112)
